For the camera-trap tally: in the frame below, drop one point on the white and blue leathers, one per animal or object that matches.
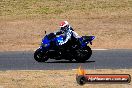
(68, 33)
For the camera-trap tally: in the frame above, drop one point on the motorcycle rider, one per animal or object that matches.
(68, 32)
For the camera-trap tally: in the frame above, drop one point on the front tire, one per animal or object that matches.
(83, 54)
(40, 56)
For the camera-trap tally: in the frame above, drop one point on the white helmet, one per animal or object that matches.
(64, 25)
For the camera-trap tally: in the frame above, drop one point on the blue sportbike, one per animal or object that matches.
(74, 49)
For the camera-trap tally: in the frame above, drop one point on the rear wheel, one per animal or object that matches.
(40, 56)
(83, 54)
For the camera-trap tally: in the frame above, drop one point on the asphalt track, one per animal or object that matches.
(101, 59)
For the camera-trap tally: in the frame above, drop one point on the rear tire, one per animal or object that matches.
(40, 56)
(83, 54)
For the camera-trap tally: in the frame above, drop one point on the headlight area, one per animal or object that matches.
(44, 45)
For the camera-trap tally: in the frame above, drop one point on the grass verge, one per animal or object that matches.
(55, 79)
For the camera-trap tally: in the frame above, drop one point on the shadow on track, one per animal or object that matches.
(69, 62)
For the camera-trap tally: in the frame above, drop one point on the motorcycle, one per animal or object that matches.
(74, 49)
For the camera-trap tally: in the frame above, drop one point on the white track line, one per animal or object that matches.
(99, 49)
(92, 49)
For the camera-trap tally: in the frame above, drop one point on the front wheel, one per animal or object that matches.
(83, 54)
(40, 56)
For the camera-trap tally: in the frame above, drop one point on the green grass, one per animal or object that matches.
(30, 7)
